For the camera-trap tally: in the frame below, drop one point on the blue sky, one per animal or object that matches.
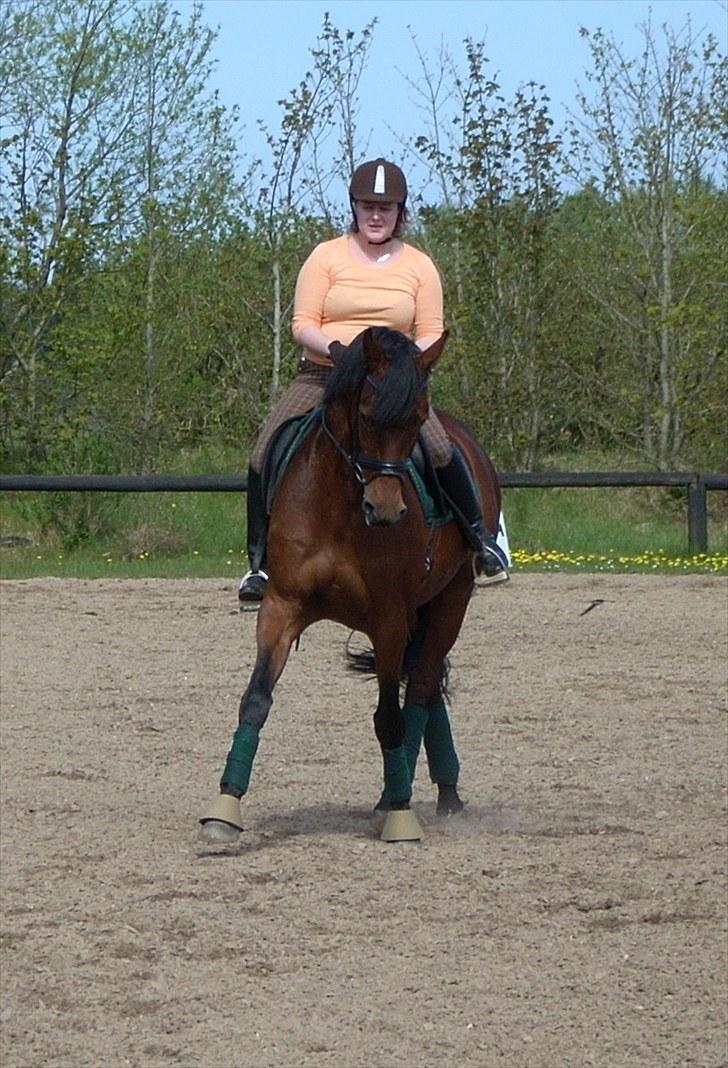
(263, 48)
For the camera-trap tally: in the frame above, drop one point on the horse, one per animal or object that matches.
(348, 541)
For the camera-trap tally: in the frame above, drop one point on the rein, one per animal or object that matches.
(358, 461)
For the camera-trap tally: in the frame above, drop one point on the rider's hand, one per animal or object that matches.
(335, 351)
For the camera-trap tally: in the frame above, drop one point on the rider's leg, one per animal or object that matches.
(252, 586)
(304, 393)
(459, 485)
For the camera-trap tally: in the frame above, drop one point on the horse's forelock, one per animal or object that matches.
(398, 387)
(349, 373)
(401, 382)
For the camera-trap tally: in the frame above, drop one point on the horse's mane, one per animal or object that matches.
(400, 385)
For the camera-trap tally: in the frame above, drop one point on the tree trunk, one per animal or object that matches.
(151, 359)
(276, 371)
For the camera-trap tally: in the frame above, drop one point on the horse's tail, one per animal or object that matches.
(362, 661)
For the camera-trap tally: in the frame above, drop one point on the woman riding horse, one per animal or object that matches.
(354, 538)
(367, 277)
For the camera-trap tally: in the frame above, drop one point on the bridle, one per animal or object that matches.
(357, 460)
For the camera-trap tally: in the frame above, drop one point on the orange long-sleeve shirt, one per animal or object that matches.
(341, 295)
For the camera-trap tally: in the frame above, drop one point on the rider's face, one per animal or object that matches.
(376, 219)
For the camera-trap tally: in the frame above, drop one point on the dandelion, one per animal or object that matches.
(651, 560)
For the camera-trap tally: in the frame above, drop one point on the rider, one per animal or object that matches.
(366, 277)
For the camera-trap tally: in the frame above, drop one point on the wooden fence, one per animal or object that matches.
(695, 485)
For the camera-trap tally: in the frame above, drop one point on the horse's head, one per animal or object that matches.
(384, 376)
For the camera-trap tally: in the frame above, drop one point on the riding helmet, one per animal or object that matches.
(378, 179)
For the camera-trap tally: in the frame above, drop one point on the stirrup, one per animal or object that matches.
(481, 579)
(490, 549)
(251, 590)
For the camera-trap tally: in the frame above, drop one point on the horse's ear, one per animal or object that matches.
(430, 356)
(376, 357)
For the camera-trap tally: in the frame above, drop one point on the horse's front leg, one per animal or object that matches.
(401, 824)
(277, 629)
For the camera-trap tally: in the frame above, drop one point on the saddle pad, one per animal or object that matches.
(435, 510)
(283, 446)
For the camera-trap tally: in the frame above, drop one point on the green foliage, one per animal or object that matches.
(650, 140)
(146, 288)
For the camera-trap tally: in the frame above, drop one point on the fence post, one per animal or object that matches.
(697, 516)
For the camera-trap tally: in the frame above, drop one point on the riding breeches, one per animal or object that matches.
(306, 392)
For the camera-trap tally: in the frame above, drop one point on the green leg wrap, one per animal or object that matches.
(415, 720)
(441, 756)
(397, 781)
(240, 758)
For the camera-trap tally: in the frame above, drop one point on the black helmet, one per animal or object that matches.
(378, 179)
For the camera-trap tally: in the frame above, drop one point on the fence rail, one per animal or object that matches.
(696, 485)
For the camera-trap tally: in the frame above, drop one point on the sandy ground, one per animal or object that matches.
(575, 916)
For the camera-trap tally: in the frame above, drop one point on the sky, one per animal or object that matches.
(262, 49)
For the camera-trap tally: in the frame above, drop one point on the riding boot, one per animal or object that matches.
(252, 586)
(458, 485)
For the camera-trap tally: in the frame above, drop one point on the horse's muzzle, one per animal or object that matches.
(381, 515)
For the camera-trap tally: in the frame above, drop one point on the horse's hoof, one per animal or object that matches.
(223, 821)
(449, 802)
(401, 825)
(216, 832)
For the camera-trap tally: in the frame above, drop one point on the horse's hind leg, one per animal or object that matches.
(442, 760)
(276, 631)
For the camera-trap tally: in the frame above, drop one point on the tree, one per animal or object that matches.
(300, 170)
(650, 138)
(182, 180)
(62, 160)
(501, 181)
(115, 153)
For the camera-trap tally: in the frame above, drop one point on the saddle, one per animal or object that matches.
(290, 436)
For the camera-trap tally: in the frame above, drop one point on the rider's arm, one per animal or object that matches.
(313, 340)
(428, 305)
(312, 285)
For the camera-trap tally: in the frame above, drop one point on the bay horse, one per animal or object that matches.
(348, 541)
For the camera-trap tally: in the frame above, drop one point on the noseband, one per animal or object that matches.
(358, 461)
